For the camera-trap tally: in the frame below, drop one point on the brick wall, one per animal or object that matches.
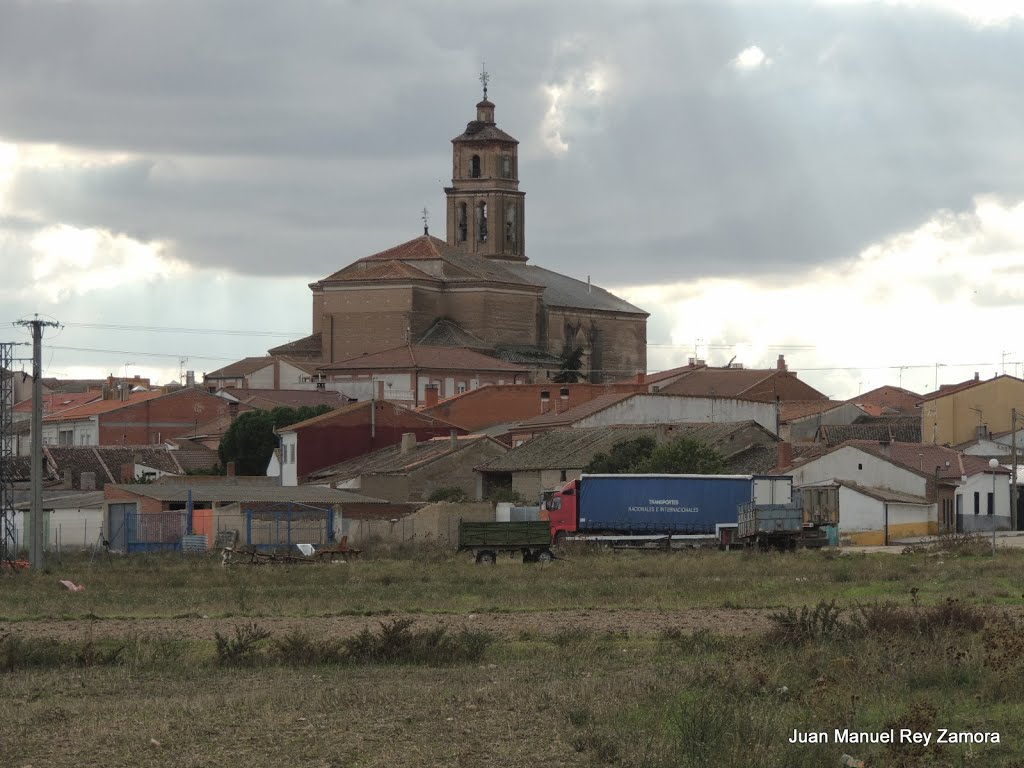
(120, 496)
(351, 434)
(173, 415)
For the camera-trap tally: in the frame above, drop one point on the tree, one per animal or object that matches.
(643, 456)
(682, 456)
(622, 457)
(572, 365)
(250, 440)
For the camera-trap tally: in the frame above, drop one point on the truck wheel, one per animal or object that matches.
(485, 558)
(544, 557)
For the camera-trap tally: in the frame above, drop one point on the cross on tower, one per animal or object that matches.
(425, 219)
(484, 78)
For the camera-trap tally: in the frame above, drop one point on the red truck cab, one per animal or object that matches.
(562, 511)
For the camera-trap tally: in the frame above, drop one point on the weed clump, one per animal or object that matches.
(398, 643)
(822, 622)
(299, 649)
(243, 648)
(889, 619)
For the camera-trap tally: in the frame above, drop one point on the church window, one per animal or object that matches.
(474, 169)
(462, 224)
(510, 224)
(506, 166)
(481, 222)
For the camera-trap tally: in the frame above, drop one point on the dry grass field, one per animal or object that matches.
(423, 659)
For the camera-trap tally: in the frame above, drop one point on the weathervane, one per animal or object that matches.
(425, 219)
(484, 78)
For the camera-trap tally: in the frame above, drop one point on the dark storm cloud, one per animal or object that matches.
(290, 139)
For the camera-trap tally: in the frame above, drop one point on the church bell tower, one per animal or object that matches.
(485, 206)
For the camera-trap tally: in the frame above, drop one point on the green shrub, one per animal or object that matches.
(448, 493)
(298, 649)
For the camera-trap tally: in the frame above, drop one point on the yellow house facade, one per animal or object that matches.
(955, 416)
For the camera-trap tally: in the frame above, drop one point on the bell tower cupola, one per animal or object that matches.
(485, 206)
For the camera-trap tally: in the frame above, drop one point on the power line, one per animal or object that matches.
(201, 331)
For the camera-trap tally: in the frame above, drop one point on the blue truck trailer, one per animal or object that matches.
(639, 506)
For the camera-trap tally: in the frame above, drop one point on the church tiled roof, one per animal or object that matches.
(307, 346)
(564, 291)
(428, 258)
(418, 356)
(445, 333)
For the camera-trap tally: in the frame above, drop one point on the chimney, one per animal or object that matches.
(65, 480)
(430, 395)
(883, 446)
(545, 397)
(230, 469)
(784, 455)
(87, 481)
(232, 410)
(190, 378)
(976, 377)
(127, 473)
(588, 283)
(408, 443)
(641, 378)
(780, 364)
(453, 439)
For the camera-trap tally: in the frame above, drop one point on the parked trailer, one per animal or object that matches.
(782, 526)
(621, 509)
(531, 539)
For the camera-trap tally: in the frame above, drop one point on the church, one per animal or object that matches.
(473, 291)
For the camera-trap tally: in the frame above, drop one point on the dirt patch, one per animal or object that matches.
(633, 623)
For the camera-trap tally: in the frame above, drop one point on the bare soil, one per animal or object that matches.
(510, 625)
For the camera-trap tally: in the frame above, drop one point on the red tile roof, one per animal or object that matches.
(895, 398)
(553, 418)
(424, 357)
(925, 457)
(56, 402)
(798, 409)
(243, 367)
(102, 406)
(270, 398)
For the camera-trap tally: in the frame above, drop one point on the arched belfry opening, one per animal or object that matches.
(485, 204)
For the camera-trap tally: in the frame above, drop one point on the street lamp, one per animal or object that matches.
(992, 464)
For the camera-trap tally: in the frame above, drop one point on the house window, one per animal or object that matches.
(990, 506)
(461, 223)
(561, 476)
(977, 503)
(461, 387)
(506, 166)
(860, 466)
(474, 167)
(66, 437)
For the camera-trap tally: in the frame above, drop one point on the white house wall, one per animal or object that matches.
(262, 378)
(865, 469)
(967, 521)
(71, 528)
(289, 459)
(658, 409)
(865, 520)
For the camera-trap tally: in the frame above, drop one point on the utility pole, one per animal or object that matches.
(35, 533)
(1014, 517)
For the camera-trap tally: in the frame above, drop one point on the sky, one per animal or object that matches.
(838, 181)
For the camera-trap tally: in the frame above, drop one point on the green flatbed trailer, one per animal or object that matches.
(486, 541)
